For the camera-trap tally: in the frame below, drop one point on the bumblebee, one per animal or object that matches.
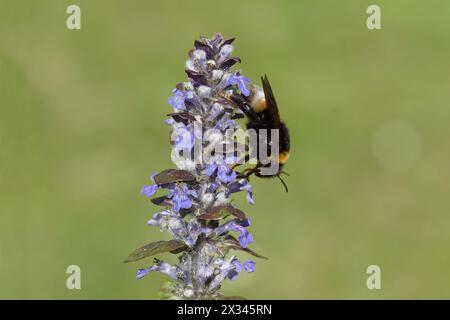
(262, 112)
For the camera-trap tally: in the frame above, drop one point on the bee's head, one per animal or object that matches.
(257, 100)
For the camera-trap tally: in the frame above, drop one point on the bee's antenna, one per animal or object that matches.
(284, 184)
(284, 172)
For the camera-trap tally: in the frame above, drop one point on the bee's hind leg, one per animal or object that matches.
(248, 172)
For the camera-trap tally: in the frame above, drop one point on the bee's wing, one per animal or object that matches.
(271, 103)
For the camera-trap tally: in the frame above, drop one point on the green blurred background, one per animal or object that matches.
(81, 129)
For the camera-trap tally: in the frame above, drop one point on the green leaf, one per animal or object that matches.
(173, 175)
(218, 212)
(166, 292)
(174, 246)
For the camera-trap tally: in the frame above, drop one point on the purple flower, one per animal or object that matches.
(216, 40)
(197, 60)
(177, 227)
(183, 137)
(162, 267)
(181, 196)
(226, 269)
(225, 52)
(213, 187)
(142, 273)
(169, 121)
(160, 217)
(178, 98)
(249, 266)
(248, 187)
(232, 274)
(237, 265)
(225, 123)
(204, 272)
(194, 229)
(149, 191)
(241, 82)
(215, 111)
(224, 173)
(211, 169)
(242, 185)
(171, 222)
(245, 238)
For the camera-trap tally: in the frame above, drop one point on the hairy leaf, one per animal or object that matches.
(173, 175)
(228, 41)
(160, 201)
(218, 212)
(153, 248)
(184, 117)
(197, 77)
(227, 64)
